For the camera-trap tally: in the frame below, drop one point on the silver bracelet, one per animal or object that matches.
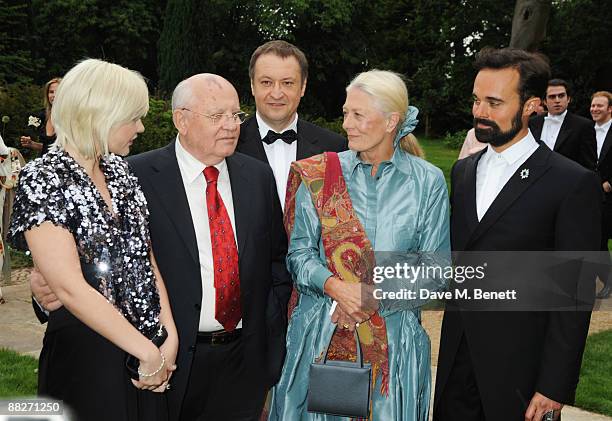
(141, 374)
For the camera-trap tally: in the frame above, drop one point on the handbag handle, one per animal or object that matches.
(359, 356)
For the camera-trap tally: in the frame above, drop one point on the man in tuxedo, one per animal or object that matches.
(514, 195)
(601, 112)
(276, 135)
(562, 131)
(218, 239)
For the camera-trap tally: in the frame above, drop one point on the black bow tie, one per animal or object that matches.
(288, 136)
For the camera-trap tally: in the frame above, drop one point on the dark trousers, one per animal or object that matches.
(460, 399)
(220, 386)
(606, 231)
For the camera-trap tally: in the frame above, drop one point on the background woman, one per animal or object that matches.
(41, 122)
(84, 218)
(384, 200)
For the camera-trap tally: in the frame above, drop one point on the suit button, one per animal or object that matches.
(192, 348)
(197, 307)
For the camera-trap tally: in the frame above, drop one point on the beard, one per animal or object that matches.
(494, 135)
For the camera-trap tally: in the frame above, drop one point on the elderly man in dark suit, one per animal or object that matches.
(217, 235)
(601, 112)
(514, 195)
(562, 131)
(275, 135)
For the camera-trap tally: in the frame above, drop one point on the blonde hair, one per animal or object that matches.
(390, 95)
(46, 98)
(94, 97)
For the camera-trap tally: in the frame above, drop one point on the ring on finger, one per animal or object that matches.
(345, 326)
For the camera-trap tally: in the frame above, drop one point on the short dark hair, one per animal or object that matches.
(559, 82)
(533, 68)
(282, 49)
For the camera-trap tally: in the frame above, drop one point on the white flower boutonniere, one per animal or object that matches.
(33, 121)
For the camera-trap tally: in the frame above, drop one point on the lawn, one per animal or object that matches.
(17, 374)
(594, 390)
(439, 155)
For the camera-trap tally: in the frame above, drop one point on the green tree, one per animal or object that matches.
(16, 61)
(208, 36)
(121, 31)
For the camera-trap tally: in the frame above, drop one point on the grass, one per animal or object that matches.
(18, 374)
(438, 154)
(593, 392)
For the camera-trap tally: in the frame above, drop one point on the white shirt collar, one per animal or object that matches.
(516, 151)
(192, 167)
(263, 127)
(559, 117)
(605, 126)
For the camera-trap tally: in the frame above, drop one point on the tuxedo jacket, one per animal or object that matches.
(576, 139)
(604, 164)
(516, 353)
(312, 140)
(265, 284)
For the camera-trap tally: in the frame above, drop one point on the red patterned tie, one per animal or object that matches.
(225, 255)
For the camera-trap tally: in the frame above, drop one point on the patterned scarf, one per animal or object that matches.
(349, 253)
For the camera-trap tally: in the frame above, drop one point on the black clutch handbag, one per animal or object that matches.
(340, 388)
(132, 363)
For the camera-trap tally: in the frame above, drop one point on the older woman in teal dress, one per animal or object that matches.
(394, 204)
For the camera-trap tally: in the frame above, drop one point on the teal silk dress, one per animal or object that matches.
(403, 208)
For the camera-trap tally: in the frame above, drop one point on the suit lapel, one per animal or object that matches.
(250, 140)
(564, 131)
(167, 183)
(606, 145)
(241, 197)
(469, 181)
(536, 165)
(306, 143)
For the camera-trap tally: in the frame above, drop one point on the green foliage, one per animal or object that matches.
(208, 36)
(17, 374)
(17, 64)
(19, 259)
(455, 140)
(159, 129)
(18, 102)
(578, 45)
(333, 125)
(593, 391)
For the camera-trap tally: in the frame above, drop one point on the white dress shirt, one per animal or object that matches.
(600, 133)
(280, 155)
(195, 187)
(495, 169)
(550, 130)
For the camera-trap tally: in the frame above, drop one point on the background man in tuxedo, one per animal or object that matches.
(279, 72)
(601, 112)
(212, 212)
(514, 195)
(562, 131)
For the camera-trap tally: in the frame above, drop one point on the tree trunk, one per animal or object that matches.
(529, 23)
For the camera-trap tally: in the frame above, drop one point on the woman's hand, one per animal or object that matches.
(355, 299)
(26, 141)
(343, 320)
(169, 348)
(155, 362)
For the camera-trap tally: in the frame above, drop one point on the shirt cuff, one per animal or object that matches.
(319, 276)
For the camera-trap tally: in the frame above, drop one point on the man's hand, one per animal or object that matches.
(42, 293)
(539, 406)
(607, 187)
(355, 299)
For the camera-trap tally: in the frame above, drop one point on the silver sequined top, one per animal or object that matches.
(55, 188)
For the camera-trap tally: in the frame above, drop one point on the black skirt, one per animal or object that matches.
(87, 372)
